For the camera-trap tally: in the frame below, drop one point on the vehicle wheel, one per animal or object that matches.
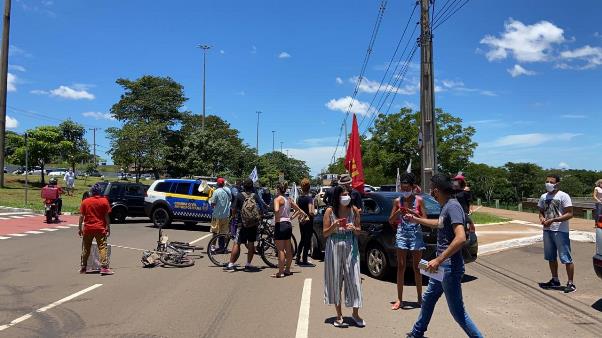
(48, 217)
(220, 257)
(161, 217)
(190, 224)
(316, 251)
(377, 262)
(118, 215)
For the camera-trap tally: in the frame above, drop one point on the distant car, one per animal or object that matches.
(169, 200)
(58, 172)
(126, 199)
(5, 170)
(377, 239)
(369, 188)
(94, 173)
(597, 259)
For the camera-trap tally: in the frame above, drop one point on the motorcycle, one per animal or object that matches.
(51, 211)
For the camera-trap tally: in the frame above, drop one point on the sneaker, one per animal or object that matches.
(411, 335)
(570, 287)
(250, 268)
(551, 284)
(229, 268)
(82, 270)
(106, 271)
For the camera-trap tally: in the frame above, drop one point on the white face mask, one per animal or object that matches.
(550, 187)
(406, 194)
(345, 200)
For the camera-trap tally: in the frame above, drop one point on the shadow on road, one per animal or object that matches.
(598, 305)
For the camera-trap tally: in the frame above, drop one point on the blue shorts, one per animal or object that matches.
(557, 243)
(409, 237)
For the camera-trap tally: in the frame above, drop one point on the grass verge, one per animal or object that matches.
(485, 218)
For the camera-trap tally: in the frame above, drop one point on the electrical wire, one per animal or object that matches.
(442, 21)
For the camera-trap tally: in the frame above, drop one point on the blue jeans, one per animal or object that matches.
(557, 243)
(451, 286)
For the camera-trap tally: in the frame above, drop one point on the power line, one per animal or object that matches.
(442, 21)
(373, 36)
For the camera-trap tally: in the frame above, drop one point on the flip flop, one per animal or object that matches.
(278, 275)
(288, 273)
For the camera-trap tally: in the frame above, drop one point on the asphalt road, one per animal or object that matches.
(500, 290)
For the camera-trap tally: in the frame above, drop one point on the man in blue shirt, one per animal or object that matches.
(220, 201)
(450, 239)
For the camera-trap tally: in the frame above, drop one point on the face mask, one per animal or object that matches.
(406, 194)
(550, 187)
(345, 200)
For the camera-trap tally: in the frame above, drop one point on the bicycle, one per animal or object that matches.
(176, 254)
(220, 246)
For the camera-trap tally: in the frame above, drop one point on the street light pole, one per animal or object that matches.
(257, 143)
(281, 143)
(273, 139)
(26, 167)
(205, 48)
(3, 85)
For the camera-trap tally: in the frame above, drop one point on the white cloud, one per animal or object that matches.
(17, 68)
(518, 70)
(16, 51)
(573, 116)
(563, 165)
(371, 87)
(99, 116)
(526, 43)
(78, 92)
(284, 55)
(529, 140)
(339, 80)
(11, 82)
(11, 122)
(343, 103)
(591, 56)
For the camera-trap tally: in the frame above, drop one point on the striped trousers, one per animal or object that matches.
(342, 267)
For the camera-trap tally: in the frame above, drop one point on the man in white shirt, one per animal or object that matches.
(555, 210)
(69, 181)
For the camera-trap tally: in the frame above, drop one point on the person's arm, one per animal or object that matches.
(431, 223)
(108, 224)
(422, 208)
(542, 216)
(357, 224)
(312, 208)
(81, 229)
(277, 204)
(394, 213)
(328, 226)
(456, 244)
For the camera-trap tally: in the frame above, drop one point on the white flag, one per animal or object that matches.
(397, 181)
(295, 193)
(409, 169)
(254, 176)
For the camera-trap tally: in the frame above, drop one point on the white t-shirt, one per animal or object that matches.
(69, 178)
(552, 206)
(598, 191)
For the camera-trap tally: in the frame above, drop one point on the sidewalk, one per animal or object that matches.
(575, 223)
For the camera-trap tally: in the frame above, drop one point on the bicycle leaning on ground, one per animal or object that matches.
(220, 246)
(176, 254)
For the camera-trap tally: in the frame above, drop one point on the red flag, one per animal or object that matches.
(353, 159)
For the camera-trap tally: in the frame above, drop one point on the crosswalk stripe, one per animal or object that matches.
(17, 235)
(30, 215)
(73, 225)
(4, 218)
(4, 237)
(34, 232)
(62, 227)
(49, 229)
(16, 216)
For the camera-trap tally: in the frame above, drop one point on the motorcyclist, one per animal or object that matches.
(53, 183)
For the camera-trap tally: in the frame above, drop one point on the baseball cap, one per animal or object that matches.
(221, 181)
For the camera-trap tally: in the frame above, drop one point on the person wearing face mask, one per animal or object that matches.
(356, 197)
(341, 258)
(450, 240)
(555, 210)
(409, 235)
(598, 199)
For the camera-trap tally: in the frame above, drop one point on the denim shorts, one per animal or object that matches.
(557, 243)
(409, 237)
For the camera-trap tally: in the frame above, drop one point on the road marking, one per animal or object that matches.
(62, 227)
(16, 216)
(16, 235)
(30, 215)
(34, 232)
(516, 232)
(509, 244)
(127, 247)
(200, 239)
(1, 237)
(72, 225)
(14, 213)
(48, 229)
(4, 218)
(48, 307)
(303, 322)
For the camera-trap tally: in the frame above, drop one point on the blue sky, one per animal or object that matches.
(526, 74)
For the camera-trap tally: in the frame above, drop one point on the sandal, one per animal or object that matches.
(396, 306)
(340, 322)
(278, 275)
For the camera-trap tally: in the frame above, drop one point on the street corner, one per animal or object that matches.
(23, 223)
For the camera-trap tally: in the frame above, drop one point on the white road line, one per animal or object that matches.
(303, 322)
(2, 237)
(16, 235)
(14, 213)
(4, 218)
(16, 217)
(127, 247)
(72, 225)
(30, 215)
(49, 229)
(62, 227)
(200, 239)
(49, 306)
(517, 232)
(34, 232)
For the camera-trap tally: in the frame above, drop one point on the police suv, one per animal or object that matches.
(185, 200)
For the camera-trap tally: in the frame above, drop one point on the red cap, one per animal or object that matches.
(221, 181)
(459, 178)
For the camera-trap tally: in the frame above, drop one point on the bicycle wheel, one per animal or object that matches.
(219, 249)
(176, 258)
(185, 246)
(268, 252)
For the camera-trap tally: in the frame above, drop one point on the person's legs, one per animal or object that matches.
(551, 251)
(59, 205)
(401, 268)
(352, 279)
(429, 300)
(332, 276)
(280, 245)
(289, 255)
(452, 287)
(101, 242)
(563, 243)
(416, 257)
(251, 252)
(236, 247)
(86, 245)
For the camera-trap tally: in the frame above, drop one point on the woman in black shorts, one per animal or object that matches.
(284, 230)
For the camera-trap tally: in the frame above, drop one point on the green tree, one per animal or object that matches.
(272, 164)
(80, 150)
(13, 142)
(488, 182)
(525, 179)
(44, 144)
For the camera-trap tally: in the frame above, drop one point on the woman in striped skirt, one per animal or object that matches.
(342, 262)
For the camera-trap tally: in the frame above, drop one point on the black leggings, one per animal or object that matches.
(306, 229)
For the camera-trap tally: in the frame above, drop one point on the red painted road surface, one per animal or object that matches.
(21, 225)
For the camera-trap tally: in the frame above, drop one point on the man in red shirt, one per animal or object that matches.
(94, 214)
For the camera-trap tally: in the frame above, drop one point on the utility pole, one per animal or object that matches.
(205, 49)
(26, 167)
(3, 84)
(281, 143)
(427, 99)
(257, 143)
(273, 139)
(94, 145)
